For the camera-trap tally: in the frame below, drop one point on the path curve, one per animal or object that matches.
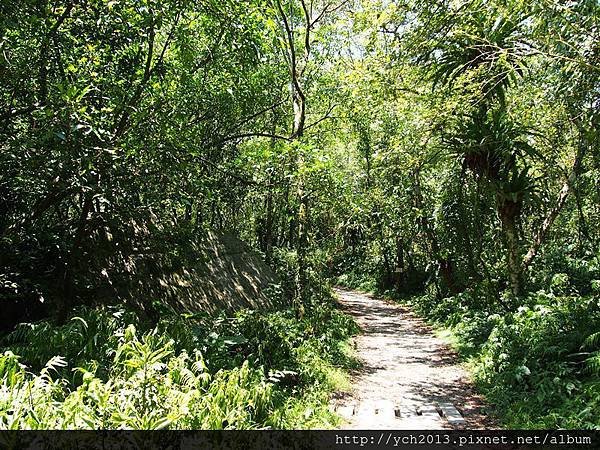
(410, 379)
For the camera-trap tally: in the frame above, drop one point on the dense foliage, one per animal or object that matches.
(443, 151)
(253, 370)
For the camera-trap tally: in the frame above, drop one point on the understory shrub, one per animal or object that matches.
(106, 368)
(537, 364)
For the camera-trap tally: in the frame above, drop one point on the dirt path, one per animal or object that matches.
(410, 378)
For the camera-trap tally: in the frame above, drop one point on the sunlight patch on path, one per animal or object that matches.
(410, 379)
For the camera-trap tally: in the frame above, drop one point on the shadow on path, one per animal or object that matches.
(406, 364)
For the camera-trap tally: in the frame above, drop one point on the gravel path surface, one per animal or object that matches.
(410, 379)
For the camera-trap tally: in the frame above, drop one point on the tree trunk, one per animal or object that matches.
(400, 263)
(299, 108)
(301, 247)
(386, 260)
(269, 221)
(268, 234)
(509, 212)
(66, 279)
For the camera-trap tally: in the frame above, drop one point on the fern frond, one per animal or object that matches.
(593, 364)
(55, 363)
(593, 340)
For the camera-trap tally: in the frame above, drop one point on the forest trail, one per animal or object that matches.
(410, 379)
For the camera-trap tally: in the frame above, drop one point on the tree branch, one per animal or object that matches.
(566, 189)
(325, 117)
(247, 135)
(43, 69)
